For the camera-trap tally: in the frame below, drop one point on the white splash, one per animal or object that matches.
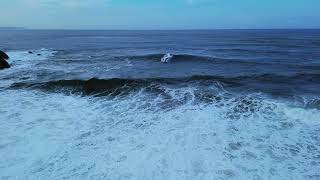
(166, 58)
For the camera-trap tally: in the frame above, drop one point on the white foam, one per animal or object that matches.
(24, 59)
(54, 136)
(26, 56)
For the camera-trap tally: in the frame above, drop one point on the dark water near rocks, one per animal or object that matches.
(242, 104)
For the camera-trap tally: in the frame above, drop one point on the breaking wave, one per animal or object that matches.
(119, 86)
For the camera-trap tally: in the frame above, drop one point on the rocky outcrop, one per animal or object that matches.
(3, 55)
(3, 63)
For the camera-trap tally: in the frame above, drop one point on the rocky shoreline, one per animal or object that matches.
(3, 60)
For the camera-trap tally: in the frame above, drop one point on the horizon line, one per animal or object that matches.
(169, 29)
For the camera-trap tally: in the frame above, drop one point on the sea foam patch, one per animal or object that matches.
(57, 136)
(21, 57)
(22, 64)
(21, 60)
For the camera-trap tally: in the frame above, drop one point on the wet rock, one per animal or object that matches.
(30, 52)
(4, 64)
(39, 54)
(3, 55)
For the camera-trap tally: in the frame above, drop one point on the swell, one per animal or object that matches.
(270, 83)
(176, 57)
(180, 58)
(87, 87)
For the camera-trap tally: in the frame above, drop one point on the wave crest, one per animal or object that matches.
(120, 86)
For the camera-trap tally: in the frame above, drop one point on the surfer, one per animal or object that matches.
(166, 58)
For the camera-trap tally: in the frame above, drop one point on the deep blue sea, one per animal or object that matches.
(230, 104)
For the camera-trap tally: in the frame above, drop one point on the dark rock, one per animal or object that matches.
(3, 55)
(39, 54)
(4, 64)
(30, 52)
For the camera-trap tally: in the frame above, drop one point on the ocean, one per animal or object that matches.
(231, 104)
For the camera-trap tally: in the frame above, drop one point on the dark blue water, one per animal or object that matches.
(279, 61)
(242, 104)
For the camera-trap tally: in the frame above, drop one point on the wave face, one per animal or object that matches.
(101, 105)
(277, 85)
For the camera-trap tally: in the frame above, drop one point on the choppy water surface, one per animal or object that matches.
(232, 104)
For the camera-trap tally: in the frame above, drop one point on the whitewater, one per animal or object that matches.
(63, 117)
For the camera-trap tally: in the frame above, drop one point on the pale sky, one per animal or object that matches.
(160, 14)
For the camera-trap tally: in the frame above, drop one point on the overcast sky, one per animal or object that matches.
(160, 14)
